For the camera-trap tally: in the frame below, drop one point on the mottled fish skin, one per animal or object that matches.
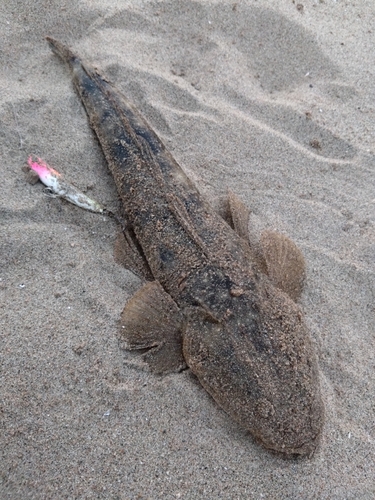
(245, 339)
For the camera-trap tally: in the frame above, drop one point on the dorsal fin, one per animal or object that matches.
(239, 214)
(285, 263)
(127, 254)
(275, 254)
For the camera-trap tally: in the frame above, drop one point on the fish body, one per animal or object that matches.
(213, 303)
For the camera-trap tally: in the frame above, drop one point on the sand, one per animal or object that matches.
(274, 100)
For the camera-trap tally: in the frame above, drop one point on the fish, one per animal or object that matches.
(215, 300)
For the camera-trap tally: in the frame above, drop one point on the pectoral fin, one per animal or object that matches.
(152, 320)
(275, 254)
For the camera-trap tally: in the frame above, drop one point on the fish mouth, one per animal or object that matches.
(306, 450)
(294, 448)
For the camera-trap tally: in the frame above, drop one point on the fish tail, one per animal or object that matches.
(62, 50)
(119, 141)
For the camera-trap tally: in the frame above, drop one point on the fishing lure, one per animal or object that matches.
(58, 186)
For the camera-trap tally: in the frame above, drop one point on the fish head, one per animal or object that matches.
(258, 363)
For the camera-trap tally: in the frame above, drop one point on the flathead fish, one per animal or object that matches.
(215, 300)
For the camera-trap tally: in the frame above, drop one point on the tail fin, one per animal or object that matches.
(61, 50)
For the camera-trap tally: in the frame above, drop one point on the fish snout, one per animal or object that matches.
(269, 388)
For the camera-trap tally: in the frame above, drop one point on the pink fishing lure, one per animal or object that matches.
(54, 181)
